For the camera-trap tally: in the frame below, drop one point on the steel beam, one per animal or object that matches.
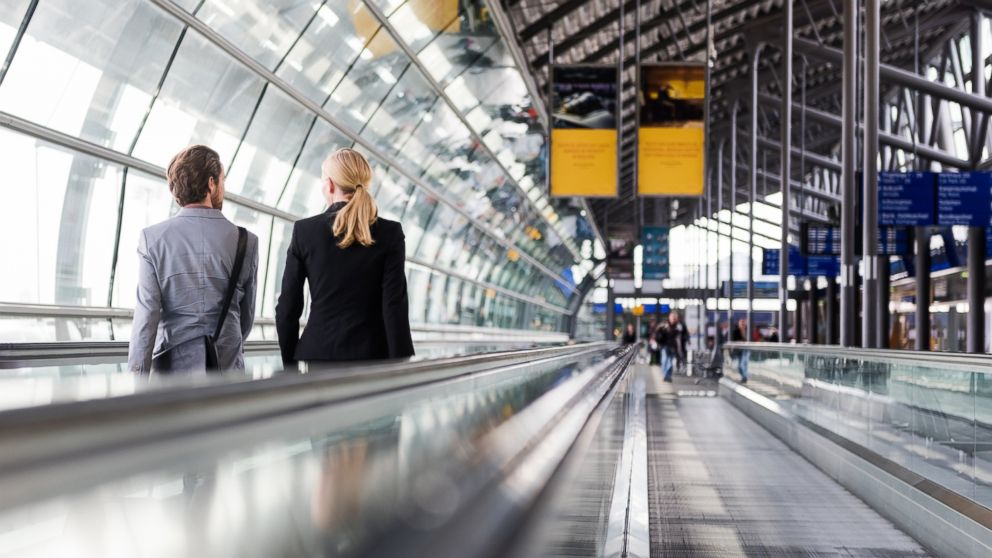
(755, 59)
(733, 210)
(848, 279)
(869, 215)
(893, 140)
(922, 264)
(898, 76)
(785, 161)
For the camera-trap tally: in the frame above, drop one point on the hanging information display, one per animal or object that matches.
(771, 258)
(895, 241)
(654, 242)
(907, 198)
(820, 240)
(762, 289)
(963, 198)
(671, 139)
(584, 131)
(822, 266)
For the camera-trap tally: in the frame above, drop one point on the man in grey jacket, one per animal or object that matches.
(184, 265)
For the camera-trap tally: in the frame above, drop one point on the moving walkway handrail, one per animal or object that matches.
(920, 358)
(34, 436)
(14, 355)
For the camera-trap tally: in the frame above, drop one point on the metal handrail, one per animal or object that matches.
(942, 359)
(52, 435)
(14, 355)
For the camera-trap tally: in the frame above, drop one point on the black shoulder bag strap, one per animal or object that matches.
(232, 283)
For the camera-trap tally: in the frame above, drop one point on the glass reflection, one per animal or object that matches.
(64, 216)
(102, 66)
(265, 157)
(330, 481)
(265, 29)
(207, 98)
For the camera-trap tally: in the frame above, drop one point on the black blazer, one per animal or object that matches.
(359, 308)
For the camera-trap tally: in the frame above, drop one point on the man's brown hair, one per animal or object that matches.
(190, 172)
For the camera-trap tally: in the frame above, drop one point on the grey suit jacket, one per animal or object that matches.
(183, 268)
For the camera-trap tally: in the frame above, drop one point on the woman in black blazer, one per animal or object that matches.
(354, 262)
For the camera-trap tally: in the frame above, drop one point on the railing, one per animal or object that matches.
(273, 447)
(928, 412)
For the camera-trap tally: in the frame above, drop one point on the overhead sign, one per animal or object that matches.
(654, 242)
(584, 131)
(907, 198)
(895, 241)
(671, 137)
(822, 266)
(770, 262)
(762, 289)
(620, 256)
(963, 198)
(820, 240)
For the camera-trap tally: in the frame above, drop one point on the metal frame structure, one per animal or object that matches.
(926, 107)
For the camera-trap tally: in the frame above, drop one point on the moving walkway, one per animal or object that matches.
(555, 451)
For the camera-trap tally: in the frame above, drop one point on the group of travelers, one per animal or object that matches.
(668, 341)
(197, 276)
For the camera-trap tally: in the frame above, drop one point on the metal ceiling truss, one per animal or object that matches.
(917, 127)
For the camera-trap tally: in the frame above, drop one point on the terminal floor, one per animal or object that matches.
(720, 485)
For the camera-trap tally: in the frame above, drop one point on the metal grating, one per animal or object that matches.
(578, 528)
(720, 485)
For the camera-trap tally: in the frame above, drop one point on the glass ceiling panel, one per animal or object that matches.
(264, 29)
(366, 84)
(63, 213)
(266, 156)
(303, 194)
(207, 98)
(11, 14)
(102, 66)
(331, 44)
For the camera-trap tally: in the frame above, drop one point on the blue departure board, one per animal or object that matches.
(771, 259)
(964, 198)
(894, 241)
(906, 198)
(822, 266)
(821, 240)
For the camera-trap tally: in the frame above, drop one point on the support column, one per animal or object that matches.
(611, 314)
(800, 318)
(976, 290)
(831, 311)
(869, 216)
(976, 236)
(882, 303)
(812, 311)
(755, 59)
(785, 123)
(849, 191)
(733, 210)
(922, 264)
(719, 206)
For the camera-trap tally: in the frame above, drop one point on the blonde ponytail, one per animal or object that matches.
(349, 171)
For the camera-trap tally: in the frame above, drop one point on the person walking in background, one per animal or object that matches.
(654, 349)
(354, 263)
(674, 339)
(739, 335)
(629, 335)
(196, 277)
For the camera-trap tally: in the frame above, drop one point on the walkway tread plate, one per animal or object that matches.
(720, 485)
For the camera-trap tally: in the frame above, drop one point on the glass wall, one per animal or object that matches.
(458, 152)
